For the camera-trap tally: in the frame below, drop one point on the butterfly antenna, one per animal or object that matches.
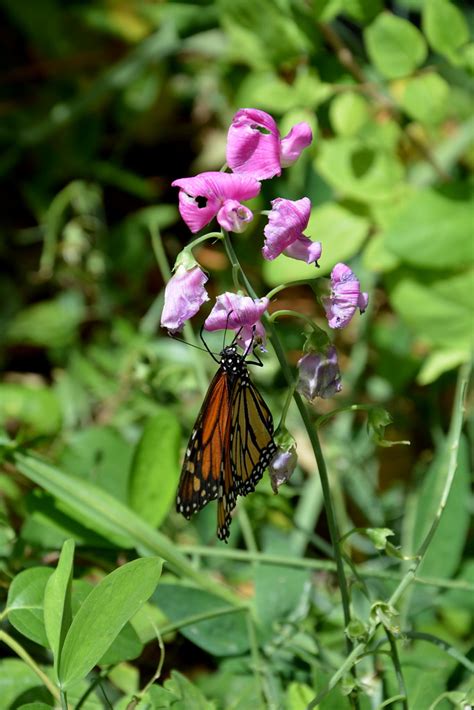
(206, 345)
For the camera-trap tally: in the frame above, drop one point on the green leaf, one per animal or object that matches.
(362, 10)
(155, 469)
(57, 602)
(440, 361)
(341, 233)
(360, 169)
(348, 113)
(271, 605)
(444, 26)
(433, 230)
(394, 45)
(426, 98)
(51, 324)
(378, 536)
(177, 693)
(298, 696)
(103, 614)
(96, 508)
(25, 603)
(224, 635)
(436, 306)
(102, 456)
(271, 93)
(20, 684)
(35, 706)
(37, 408)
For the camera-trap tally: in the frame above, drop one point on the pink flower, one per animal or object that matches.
(184, 295)
(284, 231)
(254, 145)
(345, 297)
(239, 313)
(205, 196)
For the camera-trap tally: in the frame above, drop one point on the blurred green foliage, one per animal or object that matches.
(103, 104)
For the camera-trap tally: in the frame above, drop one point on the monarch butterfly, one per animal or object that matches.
(230, 446)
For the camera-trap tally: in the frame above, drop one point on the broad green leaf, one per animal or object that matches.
(102, 456)
(103, 614)
(444, 26)
(435, 306)
(96, 507)
(441, 361)
(270, 93)
(341, 233)
(48, 323)
(362, 10)
(37, 408)
(25, 603)
(298, 696)
(177, 693)
(225, 635)
(271, 605)
(395, 46)
(426, 98)
(433, 230)
(155, 468)
(348, 112)
(57, 601)
(35, 706)
(19, 683)
(360, 169)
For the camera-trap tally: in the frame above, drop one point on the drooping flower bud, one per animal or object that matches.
(281, 466)
(184, 295)
(319, 374)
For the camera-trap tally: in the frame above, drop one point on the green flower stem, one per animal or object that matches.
(204, 616)
(327, 565)
(390, 701)
(63, 697)
(436, 641)
(398, 669)
(345, 667)
(282, 287)
(203, 238)
(162, 261)
(25, 656)
(320, 421)
(314, 439)
(292, 314)
(286, 406)
(453, 438)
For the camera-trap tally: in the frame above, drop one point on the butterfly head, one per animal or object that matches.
(231, 360)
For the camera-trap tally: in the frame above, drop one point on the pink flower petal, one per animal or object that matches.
(233, 311)
(253, 144)
(286, 223)
(202, 196)
(304, 249)
(234, 217)
(292, 145)
(184, 295)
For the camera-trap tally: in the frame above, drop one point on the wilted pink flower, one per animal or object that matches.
(284, 231)
(282, 466)
(205, 196)
(319, 375)
(345, 297)
(254, 145)
(239, 313)
(184, 295)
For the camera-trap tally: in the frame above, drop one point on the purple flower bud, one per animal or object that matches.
(234, 217)
(282, 466)
(201, 198)
(239, 313)
(345, 297)
(184, 295)
(254, 146)
(284, 231)
(319, 375)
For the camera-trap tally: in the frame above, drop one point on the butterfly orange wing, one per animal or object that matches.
(207, 449)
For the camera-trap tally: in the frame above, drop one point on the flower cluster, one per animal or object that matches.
(256, 152)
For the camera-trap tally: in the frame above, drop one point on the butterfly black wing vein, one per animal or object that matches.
(230, 446)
